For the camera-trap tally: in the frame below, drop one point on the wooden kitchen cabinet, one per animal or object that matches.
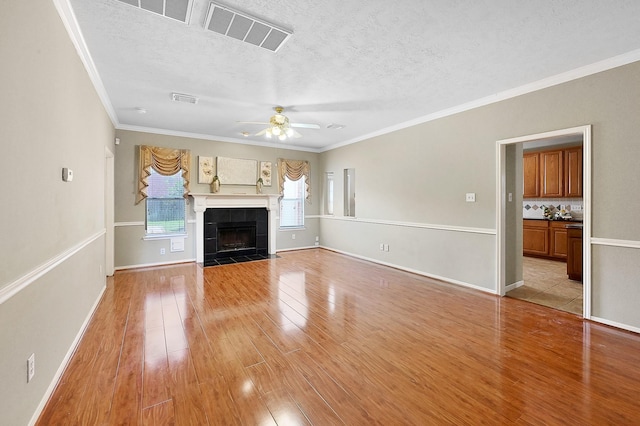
(574, 253)
(558, 240)
(573, 172)
(531, 174)
(535, 237)
(551, 174)
(544, 238)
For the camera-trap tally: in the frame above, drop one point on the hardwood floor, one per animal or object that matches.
(315, 337)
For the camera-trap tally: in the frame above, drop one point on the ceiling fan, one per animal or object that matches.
(280, 127)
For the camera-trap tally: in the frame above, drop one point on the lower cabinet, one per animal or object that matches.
(535, 237)
(558, 240)
(544, 238)
(574, 260)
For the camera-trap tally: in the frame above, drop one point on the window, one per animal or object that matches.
(165, 204)
(292, 203)
(350, 192)
(328, 196)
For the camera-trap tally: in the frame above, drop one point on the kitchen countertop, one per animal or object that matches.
(554, 220)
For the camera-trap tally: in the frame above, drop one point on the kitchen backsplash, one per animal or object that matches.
(534, 208)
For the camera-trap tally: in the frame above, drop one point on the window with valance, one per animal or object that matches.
(294, 170)
(295, 186)
(163, 182)
(166, 162)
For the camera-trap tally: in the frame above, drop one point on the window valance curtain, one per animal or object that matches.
(166, 161)
(294, 170)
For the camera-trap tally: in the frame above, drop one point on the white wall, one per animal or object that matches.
(52, 244)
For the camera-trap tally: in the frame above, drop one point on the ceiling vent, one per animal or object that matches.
(179, 10)
(181, 97)
(241, 26)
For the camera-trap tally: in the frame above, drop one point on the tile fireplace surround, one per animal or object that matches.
(203, 201)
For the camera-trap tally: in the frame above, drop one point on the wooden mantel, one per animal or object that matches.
(203, 201)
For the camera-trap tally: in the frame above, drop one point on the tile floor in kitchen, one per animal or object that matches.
(546, 283)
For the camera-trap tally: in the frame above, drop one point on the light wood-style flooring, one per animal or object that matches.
(315, 337)
(546, 283)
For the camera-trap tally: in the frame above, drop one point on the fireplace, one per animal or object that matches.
(235, 235)
(207, 202)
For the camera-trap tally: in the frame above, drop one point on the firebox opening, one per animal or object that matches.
(236, 236)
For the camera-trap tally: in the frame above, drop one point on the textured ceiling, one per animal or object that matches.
(369, 65)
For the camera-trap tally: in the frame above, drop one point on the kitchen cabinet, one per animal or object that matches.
(531, 174)
(544, 238)
(535, 237)
(573, 172)
(558, 240)
(552, 174)
(574, 253)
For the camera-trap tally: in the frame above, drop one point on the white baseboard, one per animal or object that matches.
(65, 361)
(414, 271)
(616, 324)
(147, 265)
(513, 286)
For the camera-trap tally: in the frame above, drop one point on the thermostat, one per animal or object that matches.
(67, 174)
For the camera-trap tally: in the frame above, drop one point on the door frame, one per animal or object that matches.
(109, 176)
(501, 201)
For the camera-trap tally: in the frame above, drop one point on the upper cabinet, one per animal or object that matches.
(531, 172)
(573, 172)
(553, 174)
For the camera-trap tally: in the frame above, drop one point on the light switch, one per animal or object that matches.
(471, 197)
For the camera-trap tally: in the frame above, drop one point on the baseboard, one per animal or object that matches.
(296, 248)
(65, 360)
(513, 286)
(615, 324)
(148, 265)
(414, 271)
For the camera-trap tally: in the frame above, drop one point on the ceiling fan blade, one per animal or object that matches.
(305, 125)
(262, 132)
(295, 134)
(251, 122)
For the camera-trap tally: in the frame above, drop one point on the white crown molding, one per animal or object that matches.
(166, 132)
(75, 34)
(604, 65)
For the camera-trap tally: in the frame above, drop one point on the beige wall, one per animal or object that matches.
(51, 118)
(421, 174)
(132, 250)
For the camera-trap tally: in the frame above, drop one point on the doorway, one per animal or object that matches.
(510, 265)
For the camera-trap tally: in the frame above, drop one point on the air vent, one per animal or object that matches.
(179, 10)
(181, 97)
(241, 26)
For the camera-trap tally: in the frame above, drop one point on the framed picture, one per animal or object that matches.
(265, 172)
(205, 169)
(235, 171)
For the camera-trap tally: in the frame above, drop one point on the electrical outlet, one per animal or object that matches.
(381, 246)
(576, 208)
(293, 236)
(31, 367)
(511, 197)
(162, 250)
(386, 247)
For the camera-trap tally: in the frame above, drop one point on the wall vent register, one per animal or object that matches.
(241, 26)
